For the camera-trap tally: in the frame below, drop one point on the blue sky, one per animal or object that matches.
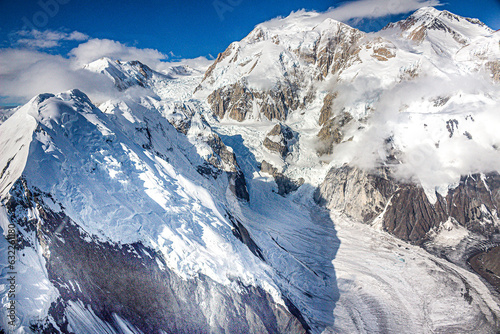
(187, 28)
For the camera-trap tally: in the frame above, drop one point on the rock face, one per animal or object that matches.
(360, 194)
(223, 157)
(487, 264)
(284, 183)
(337, 49)
(332, 131)
(279, 139)
(494, 68)
(334, 48)
(237, 101)
(132, 282)
(405, 209)
(181, 118)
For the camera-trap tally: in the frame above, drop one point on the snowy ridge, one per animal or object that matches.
(16, 138)
(125, 75)
(74, 135)
(92, 166)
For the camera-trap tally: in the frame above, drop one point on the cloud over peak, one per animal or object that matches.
(97, 48)
(354, 11)
(377, 8)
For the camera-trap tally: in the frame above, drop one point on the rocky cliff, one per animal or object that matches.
(404, 207)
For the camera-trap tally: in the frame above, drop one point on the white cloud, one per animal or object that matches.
(356, 10)
(47, 38)
(77, 36)
(405, 113)
(38, 43)
(377, 8)
(98, 48)
(26, 73)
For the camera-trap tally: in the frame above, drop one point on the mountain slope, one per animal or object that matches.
(90, 186)
(128, 74)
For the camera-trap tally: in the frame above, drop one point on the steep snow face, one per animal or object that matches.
(128, 176)
(92, 166)
(155, 170)
(17, 134)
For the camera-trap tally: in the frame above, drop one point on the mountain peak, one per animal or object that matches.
(427, 15)
(125, 74)
(427, 11)
(444, 30)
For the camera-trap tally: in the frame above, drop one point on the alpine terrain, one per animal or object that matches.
(313, 179)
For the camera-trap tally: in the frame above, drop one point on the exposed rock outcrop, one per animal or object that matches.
(279, 139)
(224, 159)
(326, 111)
(360, 194)
(338, 49)
(332, 131)
(237, 101)
(487, 264)
(405, 209)
(494, 68)
(181, 118)
(284, 183)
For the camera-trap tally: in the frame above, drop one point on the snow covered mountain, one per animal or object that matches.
(128, 74)
(421, 90)
(315, 179)
(93, 183)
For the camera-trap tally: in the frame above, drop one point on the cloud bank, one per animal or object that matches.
(431, 151)
(353, 11)
(26, 73)
(376, 8)
(97, 48)
(28, 69)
